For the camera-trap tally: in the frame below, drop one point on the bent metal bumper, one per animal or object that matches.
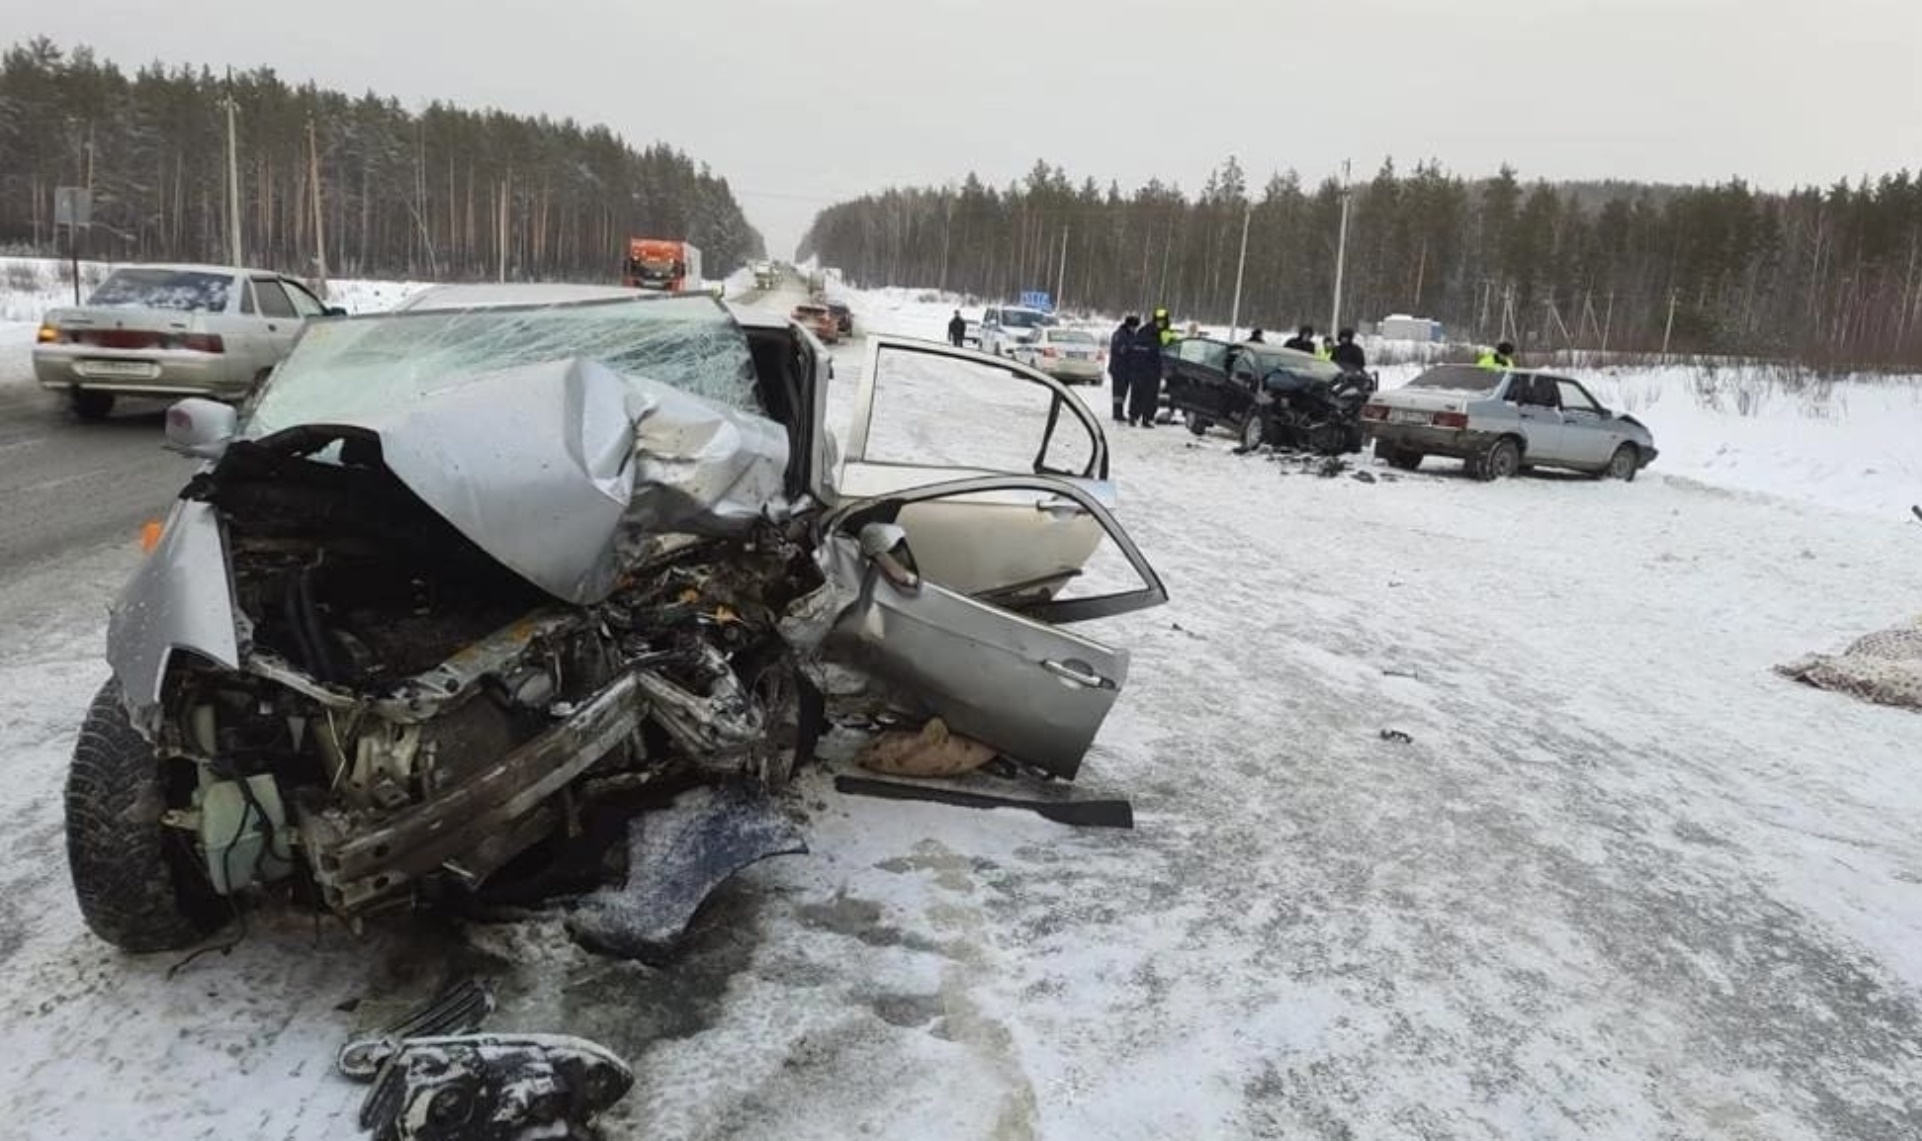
(1460, 443)
(355, 866)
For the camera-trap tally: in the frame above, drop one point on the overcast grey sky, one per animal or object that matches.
(803, 102)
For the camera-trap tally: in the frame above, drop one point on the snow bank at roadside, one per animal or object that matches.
(1848, 444)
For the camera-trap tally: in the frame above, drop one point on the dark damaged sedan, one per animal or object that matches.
(461, 584)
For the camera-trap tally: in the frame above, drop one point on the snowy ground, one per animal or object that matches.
(1622, 882)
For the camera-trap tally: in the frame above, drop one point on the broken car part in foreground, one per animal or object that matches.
(462, 593)
(434, 1078)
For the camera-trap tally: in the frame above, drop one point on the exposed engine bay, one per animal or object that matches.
(405, 698)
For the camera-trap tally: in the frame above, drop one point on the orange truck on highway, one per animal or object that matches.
(662, 263)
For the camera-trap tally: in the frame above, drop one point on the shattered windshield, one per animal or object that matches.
(342, 370)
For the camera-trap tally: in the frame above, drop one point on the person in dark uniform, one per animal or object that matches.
(1144, 380)
(1120, 364)
(957, 329)
(1254, 338)
(1347, 353)
(1303, 341)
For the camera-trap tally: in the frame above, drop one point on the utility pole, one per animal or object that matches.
(233, 179)
(1241, 263)
(1061, 274)
(1670, 326)
(1341, 250)
(320, 236)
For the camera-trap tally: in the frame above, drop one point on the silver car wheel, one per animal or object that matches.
(1502, 460)
(1623, 463)
(1252, 431)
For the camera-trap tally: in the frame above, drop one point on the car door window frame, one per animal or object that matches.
(1590, 405)
(265, 287)
(247, 306)
(1062, 397)
(887, 509)
(296, 293)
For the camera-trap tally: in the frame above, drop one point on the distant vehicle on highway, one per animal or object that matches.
(665, 264)
(1003, 327)
(1075, 356)
(172, 330)
(843, 317)
(816, 319)
(1501, 422)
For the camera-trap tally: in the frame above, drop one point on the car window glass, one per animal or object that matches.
(305, 303)
(246, 298)
(272, 299)
(155, 287)
(1574, 399)
(1520, 389)
(990, 418)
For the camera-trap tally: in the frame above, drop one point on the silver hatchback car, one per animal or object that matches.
(172, 330)
(1500, 422)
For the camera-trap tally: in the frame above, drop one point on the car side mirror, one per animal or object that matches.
(199, 427)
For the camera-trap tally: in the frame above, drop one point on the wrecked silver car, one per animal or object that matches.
(461, 589)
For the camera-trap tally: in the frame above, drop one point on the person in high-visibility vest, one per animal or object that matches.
(1501, 357)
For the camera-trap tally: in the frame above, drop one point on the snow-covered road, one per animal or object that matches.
(1621, 882)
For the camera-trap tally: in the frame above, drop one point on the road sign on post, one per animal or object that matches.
(73, 208)
(1037, 299)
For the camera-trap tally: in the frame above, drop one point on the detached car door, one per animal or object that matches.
(999, 671)
(925, 413)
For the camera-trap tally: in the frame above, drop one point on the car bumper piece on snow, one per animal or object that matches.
(676, 857)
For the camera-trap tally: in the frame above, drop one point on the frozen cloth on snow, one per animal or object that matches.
(1884, 667)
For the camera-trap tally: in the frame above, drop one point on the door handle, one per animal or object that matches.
(1080, 673)
(1060, 507)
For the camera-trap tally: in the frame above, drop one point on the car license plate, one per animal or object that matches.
(1406, 416)
(140, 370)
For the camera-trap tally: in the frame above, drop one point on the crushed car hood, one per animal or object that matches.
(568, 471)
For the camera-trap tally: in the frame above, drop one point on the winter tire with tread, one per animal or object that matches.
(1502, 460)
(1623, 464)
(89, 405)
(136, 885)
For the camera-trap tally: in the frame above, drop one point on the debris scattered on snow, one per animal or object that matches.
(461, 1008)
(1080, 813)
(1397, 736)
(676, 857)
(493, 1087)
(934, 751)
(1884, 667)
